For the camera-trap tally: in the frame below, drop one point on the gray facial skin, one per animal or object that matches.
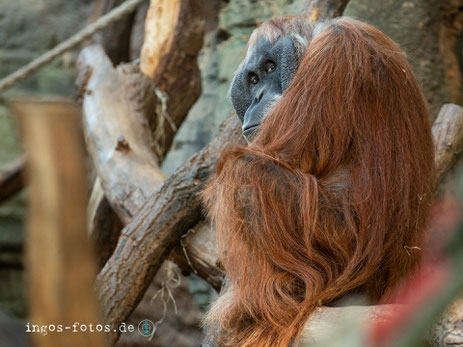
(258, 85)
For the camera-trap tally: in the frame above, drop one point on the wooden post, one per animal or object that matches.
(59, 260)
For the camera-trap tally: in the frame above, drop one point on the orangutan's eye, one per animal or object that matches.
(253, 78)
(271, 66)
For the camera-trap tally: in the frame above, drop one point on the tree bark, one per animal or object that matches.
(450, 46)
(104, 225)
(448, 331)
(316, 10)
(115, 39)
(174, 34)
(448, 138)
(198, 252)
(115, 103)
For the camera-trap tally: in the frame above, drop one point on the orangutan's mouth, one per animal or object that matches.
(250, 131)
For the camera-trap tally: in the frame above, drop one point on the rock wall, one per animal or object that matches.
(415, 25)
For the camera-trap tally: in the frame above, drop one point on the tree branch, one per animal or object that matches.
(448, 138)
(147, 240)
(11, 178)
(160, 104)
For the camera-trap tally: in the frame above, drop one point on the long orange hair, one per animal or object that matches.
(331, 196)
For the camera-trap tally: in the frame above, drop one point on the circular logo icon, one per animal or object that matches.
(146, 327)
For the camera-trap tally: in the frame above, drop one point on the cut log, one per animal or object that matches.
(60, 262)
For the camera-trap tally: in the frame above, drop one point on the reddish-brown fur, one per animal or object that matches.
(331, 195)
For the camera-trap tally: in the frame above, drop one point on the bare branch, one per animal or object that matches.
(11, 178)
